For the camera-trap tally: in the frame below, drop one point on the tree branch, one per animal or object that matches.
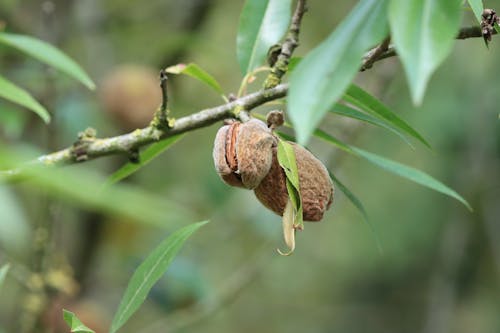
(280, 65)
(374, 54)
(140, 137)
(377, 54)
(90, 147)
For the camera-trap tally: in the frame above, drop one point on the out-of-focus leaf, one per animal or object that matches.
(195, 71)
(12, 121)
(149, 272)
(366, 102)
(18, 95)
(74, 323)
(48, 54)
(15, 230)
(410, 173)
(84, 188)
(146, 156)
(358, 204)
(262, 24)
(347, 111)
(477, 8)
(423, 32)
(3, 273)
(323, 75)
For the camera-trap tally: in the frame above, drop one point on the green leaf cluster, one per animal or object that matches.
(422, 33)
(47, 54)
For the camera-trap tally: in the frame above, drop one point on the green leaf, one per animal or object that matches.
(324, 74)
(146, 156)
(18, 95)
(196, 72)
(352, 198)
(293, 62)
(347, 111)
(332, 140)
(74, 323)
(477, 8)
(358, 204)
(286, 158)
(149, 272)
(423, 32)
(84, 188)
(262, 24)
(368, 103)
(399, 169)
(287, 161)
(48, 54)
(3, 273)
(410, 173)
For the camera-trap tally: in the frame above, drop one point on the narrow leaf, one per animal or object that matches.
(18, 95)
(48, 54)
(423, 32)
(292, 63)
(3, 273)
(410, 173)
(196, 72)
(84, 188)
(399, 169)
(347, 111)
(149, 272)
(262, 24)
(146, 156)
(359, 205)
(477, 8)
(368, 103)
(352, 198)
(74, 323)
(332, 140)
(324, 74)
(287, 161)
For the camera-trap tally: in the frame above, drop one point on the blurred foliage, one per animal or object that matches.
(440, 266)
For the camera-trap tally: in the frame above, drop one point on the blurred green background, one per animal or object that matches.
(439, 270)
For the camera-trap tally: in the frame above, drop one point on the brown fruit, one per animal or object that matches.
(131, 94)
(245, 155)
(316, 188)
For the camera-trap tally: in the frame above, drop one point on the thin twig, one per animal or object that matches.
(371, 56)
(125, 143)
(280, 67)
(374, 56)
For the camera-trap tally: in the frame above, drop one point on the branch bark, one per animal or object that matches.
(280, 67)
(130, 142)
(124, 144)
(381, 52)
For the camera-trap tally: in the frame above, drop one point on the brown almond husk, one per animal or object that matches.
(316, 188)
